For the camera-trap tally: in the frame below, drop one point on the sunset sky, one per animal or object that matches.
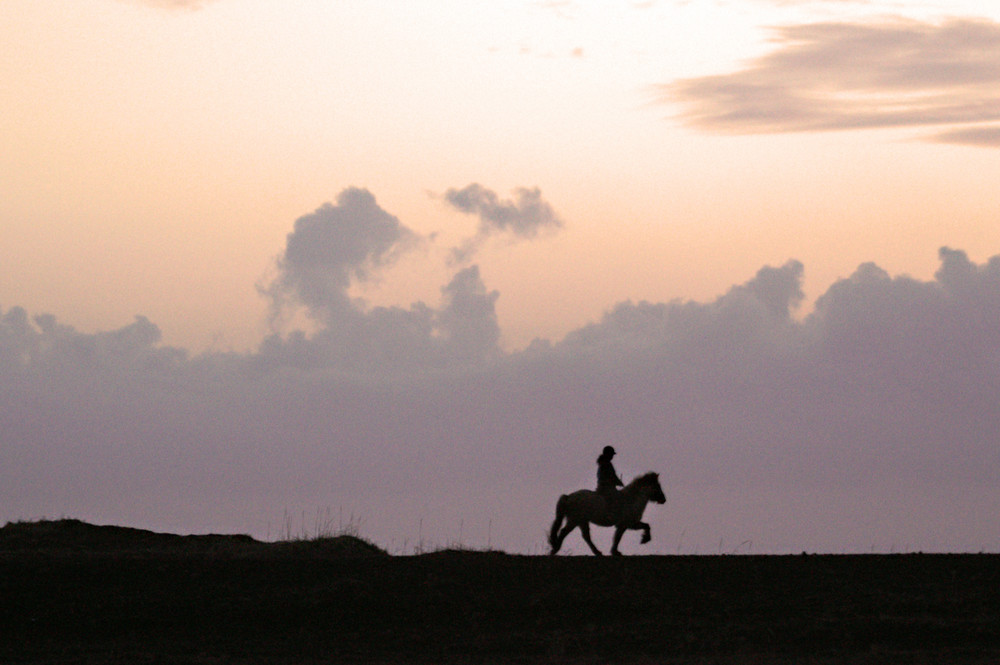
(416, 263)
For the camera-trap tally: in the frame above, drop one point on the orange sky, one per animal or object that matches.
(155, 155)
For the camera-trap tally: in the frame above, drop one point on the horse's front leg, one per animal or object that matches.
(619, 532)
(646, 535)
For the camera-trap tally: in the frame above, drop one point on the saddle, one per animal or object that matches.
(613, 502)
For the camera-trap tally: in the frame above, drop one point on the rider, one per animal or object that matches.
(608, 481)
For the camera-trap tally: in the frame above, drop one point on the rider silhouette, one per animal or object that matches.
(608, 481)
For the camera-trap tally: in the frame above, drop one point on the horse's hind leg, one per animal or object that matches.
(585, 530)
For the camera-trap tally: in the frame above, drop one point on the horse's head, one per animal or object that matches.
(651, 485)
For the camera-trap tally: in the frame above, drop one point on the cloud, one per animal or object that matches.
(351, 241)
(987, 137)
(43, 342)
(332, 246)
(523, 217)
(869, 423)
(763, 303)
(838, 76)
(462, 330)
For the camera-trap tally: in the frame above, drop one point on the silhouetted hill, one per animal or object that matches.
(71, 536)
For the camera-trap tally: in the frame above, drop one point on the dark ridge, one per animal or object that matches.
(72, 536)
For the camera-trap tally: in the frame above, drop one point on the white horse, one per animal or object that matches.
(582, 507)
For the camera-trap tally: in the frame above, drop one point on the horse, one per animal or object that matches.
(582, 507)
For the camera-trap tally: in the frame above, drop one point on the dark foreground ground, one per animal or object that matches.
(75, 593)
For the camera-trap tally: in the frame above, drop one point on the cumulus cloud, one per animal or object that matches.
(765, 303)
(522, 217)
(42, 342)
(835, 76)
(332, 246)
(462, 330)
(350, 241)
(871, 422)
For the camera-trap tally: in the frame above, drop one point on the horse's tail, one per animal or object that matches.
(560, 516)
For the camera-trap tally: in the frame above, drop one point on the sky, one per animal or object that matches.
(278, 268)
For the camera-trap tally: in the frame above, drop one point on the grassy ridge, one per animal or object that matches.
(247, 604)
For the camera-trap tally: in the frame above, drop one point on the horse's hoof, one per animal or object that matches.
(615, 553)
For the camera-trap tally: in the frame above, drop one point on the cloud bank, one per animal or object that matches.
(871, 423)
(837, 76)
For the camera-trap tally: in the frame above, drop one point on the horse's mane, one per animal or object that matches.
(644, 478)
